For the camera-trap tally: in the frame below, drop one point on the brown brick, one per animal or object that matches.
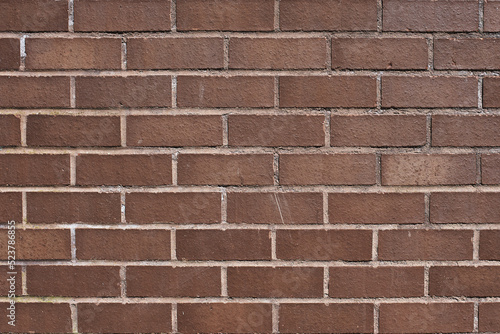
(376, 208)
(465, 208)
(56, 207)
(488, 245)
(179, 208)
(428, 169)
(73, 53)
(34, 92)
(122, 245)
(10, 130)
(430, 15)
(116, 15)
(329, 169)
(10, 53)
(225, 92)
(267, 282)
(464, 281)
(428, 92)
(27, 15)
(77, 131)
(326, 318)
(123, 92)
(368, 282)
(38, 244)
(156, 281)
(489, 316)
(379, 53)
(38, 318)
(223, 245)
(277, 53)
(324, 245)
(460, 130)
(425, 245)
(11, 208)
(6, 280)
(325, 92)
(226, 15)
(328, 15)
(467, 53)
(73, 281)
(34, 169)
(490, 169)
(378, 130)
(426, 318)
(129, 170)
(492, 16)
(124, 318)
(491, 93)
(225, 169)
(224, 318)
(179, 130)
(275, 208)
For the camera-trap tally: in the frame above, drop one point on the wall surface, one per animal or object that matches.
(286, 166)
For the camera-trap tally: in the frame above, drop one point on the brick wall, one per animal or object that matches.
(293, 166)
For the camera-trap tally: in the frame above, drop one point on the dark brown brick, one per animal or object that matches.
(491, 89)
(464, 281)
(6, 280)
(10, 52)
(467, 53)
(465, 208)
(460, 130)
(38, 244)
(492, 16)
(34, 92)
(488, 245)
(490, 169)
(38, 318)
(34, 169)
(10, 130)
(28, 15)
(11, 208)
(489, 317)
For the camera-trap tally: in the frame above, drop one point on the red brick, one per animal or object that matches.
(491, 89)
(226, 15)
(199, 245)
(178, 208)
(324, 245)
(11, 208)
(5, 280)
(379, 53)
(430, 15)
(488, 245)
(467, 53)
(115, 15)
(489, 317)
(225, 92)
(224, 318)
(464, 281)
(460, 130)
(225, 169)
(329, 169)
(38, 244)
(73, 281)
(426, 318)
(275, 208)
(490, 169)
(376, 208)
(10, 53)
(123, 92)
(465, 208)
(122, 245)
(34, 169)
(492, 16)
(328, 15)
(326, 318)
(39, 318)
(34, 92)
(57, 207)
(325, 92)
(28, 15)
(179, 130)
(428, 92)
(10, 130)
(156, 281)
(73, 53)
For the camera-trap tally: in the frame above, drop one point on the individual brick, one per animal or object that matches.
(11, 208)
(10, 130)
(175, 53)
(73, 281)
(116, 15)
(34, 169)
(329, 169)
(492, 16)
(326, 318)
(10, 54)
(491, 89)
(38, 244)
(226, 15)
(426, 317)
(179, 208)
(38, 317)
(27, 15)
(465, 208)
(376, 208)
(425, 245)
(464, 281)
(274, 208)
(178, 130)
(7, 285)
(324, 245)
(129, 170)
(378, 130)
(429, 15)
(225, 169)
(277, 53)
(461, 130)
(490, 169)
(332, 15)
(58, 207)
(488, 245)
(225, 92)
(154, 281)
(428, 92)
(76, 131)
(122, 245)
(379, 53)
(34, 92)
(201, 245)
(73, 53)
(467, 53)
(123, 92)
(489, 316)
(327, 92)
